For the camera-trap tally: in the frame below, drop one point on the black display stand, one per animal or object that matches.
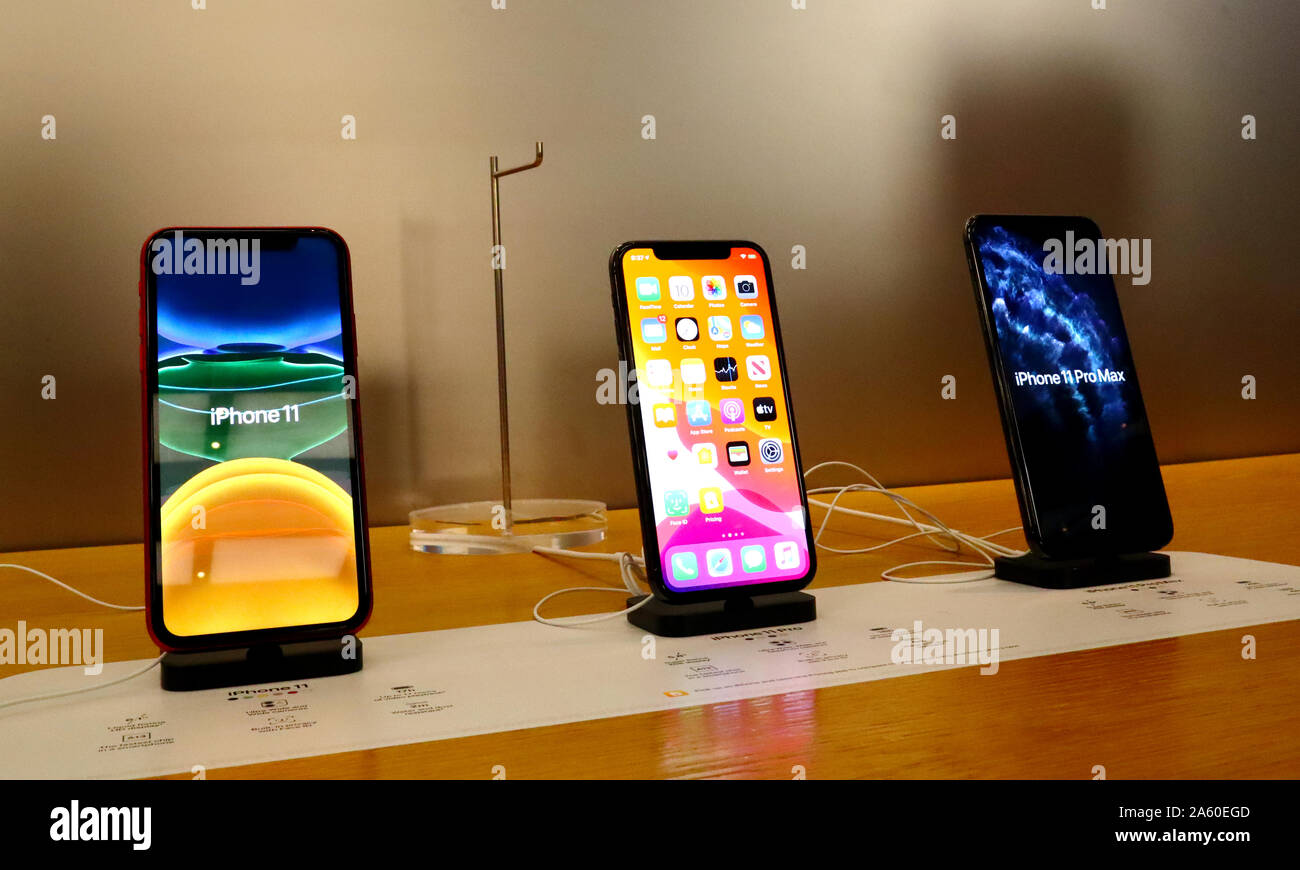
(247, 666)
(1038, 571)
(716, 617)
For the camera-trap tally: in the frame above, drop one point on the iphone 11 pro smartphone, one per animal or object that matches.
(255, 509)
(721, 493)
(1081, 450)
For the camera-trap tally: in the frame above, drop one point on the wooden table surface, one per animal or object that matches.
(1182, 707)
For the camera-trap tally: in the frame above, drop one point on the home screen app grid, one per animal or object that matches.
(726, 492)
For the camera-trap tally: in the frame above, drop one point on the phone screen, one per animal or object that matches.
(724, 476)
(258, 520)
(1090, 479)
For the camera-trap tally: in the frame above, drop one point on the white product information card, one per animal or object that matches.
(442, 684)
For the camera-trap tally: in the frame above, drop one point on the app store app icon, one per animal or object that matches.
(698, 412)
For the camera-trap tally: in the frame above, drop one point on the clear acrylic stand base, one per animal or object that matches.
(470, 528)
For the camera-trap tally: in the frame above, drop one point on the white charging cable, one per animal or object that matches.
(936, 530)
(131, 676)
(632, 568)
(60, 583)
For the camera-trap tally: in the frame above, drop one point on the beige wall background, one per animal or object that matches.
(817, 127)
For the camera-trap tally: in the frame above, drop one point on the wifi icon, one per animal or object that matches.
(725, 369)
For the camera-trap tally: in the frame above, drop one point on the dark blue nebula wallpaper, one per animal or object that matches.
(1049, 323)
(1081, 431)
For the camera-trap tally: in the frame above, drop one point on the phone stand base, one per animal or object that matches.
(1035, 570)
(247, 666)
(716, 617)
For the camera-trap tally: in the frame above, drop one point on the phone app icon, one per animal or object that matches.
(770, 451)
(746, 287)
(653, 330)
(685, 567)
(676, 503)
(758, 367)
(665, 415)
(751, 327)
(693, 372)
(681, 288)
(753, 558)
(711, 500)
(659, 373)
(720, 328)
(687, 329)
(724, 368)
(647, 289)
(698, 411)
(732, 411)
(719, 562)
(715, 287)
(705, 454)
(764, 409)
(737, 453)
(786, 554)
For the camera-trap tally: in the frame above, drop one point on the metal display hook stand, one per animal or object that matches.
(509, 525)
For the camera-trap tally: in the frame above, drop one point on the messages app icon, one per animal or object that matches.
(753, 559)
